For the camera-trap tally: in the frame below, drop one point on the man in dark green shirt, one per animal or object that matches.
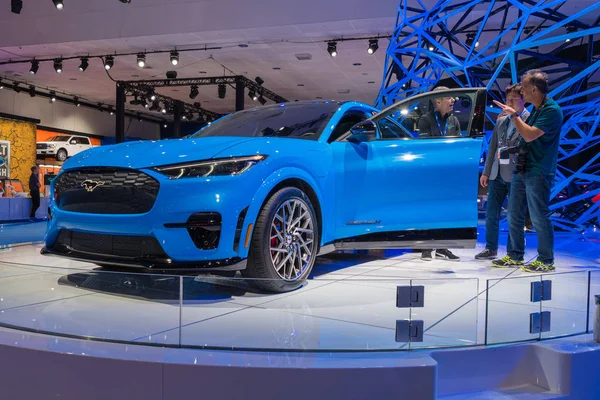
(540, 138)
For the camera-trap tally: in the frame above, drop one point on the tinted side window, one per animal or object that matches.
(300, 121)
(348, 120)
(435, 115)
(84, 140)
(390, 130)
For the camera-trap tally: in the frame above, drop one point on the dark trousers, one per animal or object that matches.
(498, 190)
(532, 189)
(35, 202)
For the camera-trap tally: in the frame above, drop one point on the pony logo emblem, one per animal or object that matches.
(90, 185)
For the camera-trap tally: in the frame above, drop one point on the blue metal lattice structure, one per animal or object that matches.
(492, 43)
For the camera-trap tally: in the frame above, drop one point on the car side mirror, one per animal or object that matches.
(364, 131)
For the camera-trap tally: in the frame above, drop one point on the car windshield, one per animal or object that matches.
(295, 120)
(59, 139)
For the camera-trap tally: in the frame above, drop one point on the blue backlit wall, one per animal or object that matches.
(491, 44)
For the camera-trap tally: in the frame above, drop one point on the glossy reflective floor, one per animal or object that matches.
(349, 302)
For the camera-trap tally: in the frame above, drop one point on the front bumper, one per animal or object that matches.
(46, 152)
(176, 201)
(156, 265)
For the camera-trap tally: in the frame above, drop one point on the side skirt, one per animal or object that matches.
(455, 238)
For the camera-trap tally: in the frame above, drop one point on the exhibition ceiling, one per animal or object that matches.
(285, 43)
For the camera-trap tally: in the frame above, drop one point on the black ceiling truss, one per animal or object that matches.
(143, 93)
(213, 80)
(144, 89)
(33, 91)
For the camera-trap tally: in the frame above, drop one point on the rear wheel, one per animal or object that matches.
(284, 243)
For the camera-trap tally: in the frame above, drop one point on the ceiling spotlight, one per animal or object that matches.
(16, 6)
(1, 84)
(165, 125)
(58, 65)
(471, 39)
(16, 87)
(32, 91)
(53, 96)
(174, 57)
(222, 90)
(332, 49)
(194, 92)
(58, 4)
(252, 95)
(141, 60)
(259, 80)
(110, 111)
(164, 109)
(152, 96)
(262, 100)
(373, 46)
(84, 64)
(109, 61)
(76, 101)
(35, 65)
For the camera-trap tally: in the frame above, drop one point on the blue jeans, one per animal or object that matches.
(532, 189)
(498, 189)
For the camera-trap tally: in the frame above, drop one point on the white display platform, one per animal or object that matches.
(333, 338)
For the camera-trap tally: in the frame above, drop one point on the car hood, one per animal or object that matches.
(51, 142)
(145, 154)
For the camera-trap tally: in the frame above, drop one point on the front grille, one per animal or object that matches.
(105, 191)
(110, 245)
(41, 146)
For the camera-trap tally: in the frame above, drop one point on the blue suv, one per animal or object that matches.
(266, 190)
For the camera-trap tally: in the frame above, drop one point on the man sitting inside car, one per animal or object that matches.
(439, 121)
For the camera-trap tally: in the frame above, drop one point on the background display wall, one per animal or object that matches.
(22, 138)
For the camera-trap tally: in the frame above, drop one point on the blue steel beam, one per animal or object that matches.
(445, 25)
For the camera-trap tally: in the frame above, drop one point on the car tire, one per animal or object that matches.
(281, 257)
(61, 155)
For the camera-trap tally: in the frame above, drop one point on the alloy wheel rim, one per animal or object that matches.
(292, 239)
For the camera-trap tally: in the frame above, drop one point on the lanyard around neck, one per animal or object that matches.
(439, 125)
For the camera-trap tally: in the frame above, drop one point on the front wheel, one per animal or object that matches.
(61, 155)
(284, 243)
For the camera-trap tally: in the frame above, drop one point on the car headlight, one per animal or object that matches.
(52, 145)
(216, 167)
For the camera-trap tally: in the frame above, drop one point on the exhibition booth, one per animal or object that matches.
(24, 145)
(301, 207)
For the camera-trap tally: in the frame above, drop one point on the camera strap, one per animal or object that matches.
(536, 113)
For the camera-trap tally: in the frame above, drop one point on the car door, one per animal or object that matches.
(408, 184)
(84, 144)
(77, 147)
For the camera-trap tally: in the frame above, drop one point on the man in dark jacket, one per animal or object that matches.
(439, 122)
(498, 173)
(34, 190)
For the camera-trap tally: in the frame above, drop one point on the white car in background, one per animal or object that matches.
(62, 147)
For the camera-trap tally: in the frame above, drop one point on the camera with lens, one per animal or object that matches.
(504, 155)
